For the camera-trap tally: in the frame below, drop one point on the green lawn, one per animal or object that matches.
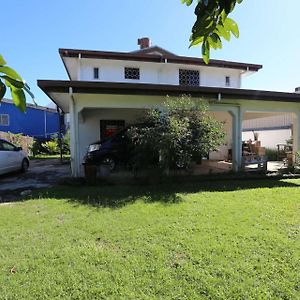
(230, 240)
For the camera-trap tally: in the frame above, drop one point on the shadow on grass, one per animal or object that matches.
(114, 196)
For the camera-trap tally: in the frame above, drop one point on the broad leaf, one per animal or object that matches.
(205, 52)
(2, 90)
(10, 72)
(195, 42)
(231, 25)
(187, 2)
(16, 83)
(2, 61)
(19, 98)
(223, 32)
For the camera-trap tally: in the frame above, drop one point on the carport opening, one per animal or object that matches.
(267, 137)
(95, 124)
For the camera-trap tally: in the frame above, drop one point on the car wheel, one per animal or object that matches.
(25, 165)
(109, 161)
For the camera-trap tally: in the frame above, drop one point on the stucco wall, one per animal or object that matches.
(269, 138)
(156, 73)
(222, 152)
(89, 124)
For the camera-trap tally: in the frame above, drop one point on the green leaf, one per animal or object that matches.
(16, 83)
(215, 41)
(2, 90)
(187, 2)
(232, 26)
(196, 41)
(19, 98)
(11, 73)
(205, 52)
(2, 61)
(223, 32)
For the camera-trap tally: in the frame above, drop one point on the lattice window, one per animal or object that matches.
(132, 73)
(4, 120)
(189, 77)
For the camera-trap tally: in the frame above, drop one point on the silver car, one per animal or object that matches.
(12, 158)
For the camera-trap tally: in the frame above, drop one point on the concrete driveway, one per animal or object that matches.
(42, 173)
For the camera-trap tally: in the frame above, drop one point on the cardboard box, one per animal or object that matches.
(260, 150)
(257, 144)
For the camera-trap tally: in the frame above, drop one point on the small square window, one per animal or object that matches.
(132, 73)
(227, 81)
(4, 120)
(96, 73)
(189, 77)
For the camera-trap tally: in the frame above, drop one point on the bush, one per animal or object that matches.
(174, 135)
(271, 154)
(51, 147)
(26, 142)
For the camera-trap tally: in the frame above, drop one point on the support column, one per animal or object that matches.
(296, 133)
(74, 139)
(237, 118)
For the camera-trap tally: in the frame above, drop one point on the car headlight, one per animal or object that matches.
(94, 147)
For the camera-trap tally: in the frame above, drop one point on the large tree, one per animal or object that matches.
(212, 24)
(9, 78)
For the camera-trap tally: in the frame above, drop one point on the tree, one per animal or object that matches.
(9, 78)
(212, 24)
(179, 132)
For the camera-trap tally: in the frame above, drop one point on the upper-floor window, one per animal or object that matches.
(96, 73)
(4, 119)
(189, 77)
(227, 81)
(131, 73)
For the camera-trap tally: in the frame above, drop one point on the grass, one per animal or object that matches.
(231, 240)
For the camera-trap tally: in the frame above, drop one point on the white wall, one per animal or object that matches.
(222, 152)
(89, 124)
(155, 73)
(269, 138)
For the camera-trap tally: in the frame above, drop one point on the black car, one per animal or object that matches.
(111, 151)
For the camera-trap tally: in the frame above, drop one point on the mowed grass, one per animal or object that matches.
(230, 240)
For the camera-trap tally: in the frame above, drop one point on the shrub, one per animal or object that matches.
(26, 142)
(176, 134)
(51, 147)
(271, 154)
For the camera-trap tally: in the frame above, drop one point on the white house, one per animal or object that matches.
(113, 89)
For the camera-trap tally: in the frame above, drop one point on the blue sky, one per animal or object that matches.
(33, 30)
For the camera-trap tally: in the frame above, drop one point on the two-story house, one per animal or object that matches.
(109, 90)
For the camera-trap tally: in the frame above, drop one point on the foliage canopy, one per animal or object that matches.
(212, 24)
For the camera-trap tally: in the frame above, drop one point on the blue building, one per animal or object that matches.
(38, 121)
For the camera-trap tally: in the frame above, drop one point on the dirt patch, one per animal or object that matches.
(42, 173)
